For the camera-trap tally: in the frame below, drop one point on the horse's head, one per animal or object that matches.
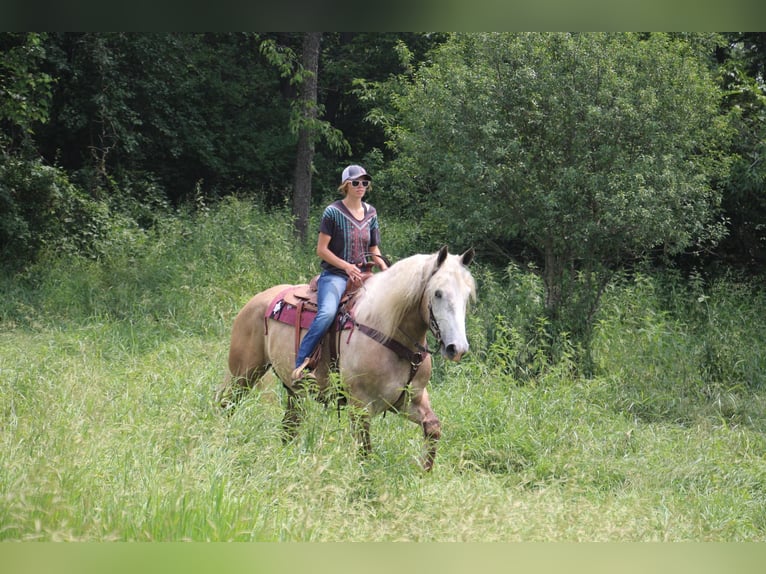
(446, 299)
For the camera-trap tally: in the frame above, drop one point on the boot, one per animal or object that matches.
(303, 372)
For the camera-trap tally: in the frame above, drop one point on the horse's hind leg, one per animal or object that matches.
(248, 357)
(232, 389)
(293, 414)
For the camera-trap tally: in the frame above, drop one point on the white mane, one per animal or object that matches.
(389, 295)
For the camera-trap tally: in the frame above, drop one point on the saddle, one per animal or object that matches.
(297, 305)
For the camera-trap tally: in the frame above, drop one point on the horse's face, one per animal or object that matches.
(446, 300)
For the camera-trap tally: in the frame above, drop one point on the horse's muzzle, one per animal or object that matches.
(453, 352)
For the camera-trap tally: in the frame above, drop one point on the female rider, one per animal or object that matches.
(348, 232)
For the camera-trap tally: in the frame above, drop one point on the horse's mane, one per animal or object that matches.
(388, 296)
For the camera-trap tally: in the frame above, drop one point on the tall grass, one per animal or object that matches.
(108, 365)
(681, 351)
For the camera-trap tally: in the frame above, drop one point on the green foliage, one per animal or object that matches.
(744, 203)
(178, 109)
(290, 68)
(213, 109)
(25, 90)
(585, 149)
(219, 256)
(512, 330)
(40, 208)
(350, 59)
(646, 352)
(180, 112)
(731, 343)
(677, 352)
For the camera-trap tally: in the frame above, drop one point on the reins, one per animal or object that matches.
(414, 358)
(369, 255)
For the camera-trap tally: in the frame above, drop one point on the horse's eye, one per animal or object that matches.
(438, 294)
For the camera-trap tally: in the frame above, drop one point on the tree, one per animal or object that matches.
(28, 192)
(181, 110)
(743, 77)
(350, 57)
(306, 137)
(215, 112)
(586, 150)
(25, 90)
(305, 122)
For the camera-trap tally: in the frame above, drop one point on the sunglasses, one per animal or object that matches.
(364, 183)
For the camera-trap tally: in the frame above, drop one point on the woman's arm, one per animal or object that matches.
(324, 253)
(378, 257)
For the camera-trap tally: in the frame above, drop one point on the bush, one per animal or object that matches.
(40, 208)
(677, 350)
(731, 341)
(664, 347)
(217, 257)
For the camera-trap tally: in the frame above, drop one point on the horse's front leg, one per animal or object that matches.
(421, 413)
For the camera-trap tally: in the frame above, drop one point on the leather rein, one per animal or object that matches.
(414, 358)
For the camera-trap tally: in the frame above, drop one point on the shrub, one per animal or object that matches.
(40, 208)
(677, 350)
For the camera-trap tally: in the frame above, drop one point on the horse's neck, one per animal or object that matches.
(413, 326)
(393, 305)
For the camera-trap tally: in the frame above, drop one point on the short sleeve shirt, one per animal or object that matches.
(350, 238)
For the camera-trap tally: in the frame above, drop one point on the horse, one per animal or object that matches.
(382, 354)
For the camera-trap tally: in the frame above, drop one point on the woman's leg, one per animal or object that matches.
(330, 288)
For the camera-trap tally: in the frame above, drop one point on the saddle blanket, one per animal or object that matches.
(287, 312)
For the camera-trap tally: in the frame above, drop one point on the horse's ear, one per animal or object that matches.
(467, 257)
(441, 257)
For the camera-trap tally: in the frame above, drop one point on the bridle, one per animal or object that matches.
(433, 326)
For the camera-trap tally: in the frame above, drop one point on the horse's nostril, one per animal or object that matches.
(453, 352)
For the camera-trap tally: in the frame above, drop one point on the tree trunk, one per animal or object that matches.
(553, 276)
(306, 134)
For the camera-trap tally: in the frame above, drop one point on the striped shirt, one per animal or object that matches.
(350, 238)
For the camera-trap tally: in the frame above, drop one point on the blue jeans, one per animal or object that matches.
(330, 288)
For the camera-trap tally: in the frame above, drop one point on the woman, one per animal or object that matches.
(347, 233)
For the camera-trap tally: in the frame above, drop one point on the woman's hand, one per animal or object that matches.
(355, 274)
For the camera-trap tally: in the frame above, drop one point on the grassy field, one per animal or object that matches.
(108, 366)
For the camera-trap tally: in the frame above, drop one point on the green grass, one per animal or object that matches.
(107, 369)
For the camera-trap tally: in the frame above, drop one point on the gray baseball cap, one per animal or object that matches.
(354, 172)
